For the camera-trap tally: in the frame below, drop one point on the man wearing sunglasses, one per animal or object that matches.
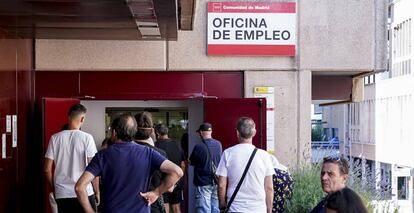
(334, 174)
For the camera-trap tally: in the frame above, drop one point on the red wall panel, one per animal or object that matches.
(223, 114)
(223, 84)
(141, 85)
(7, 77)
(56, 84)
(8, 84)
(120, 85)
(7, 92)
(331, 87)
(15, 57)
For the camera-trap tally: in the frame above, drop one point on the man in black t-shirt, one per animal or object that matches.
(176, 155)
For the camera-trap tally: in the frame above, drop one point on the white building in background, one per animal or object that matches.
(379, 131)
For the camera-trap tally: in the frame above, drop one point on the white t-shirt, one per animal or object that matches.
(70, 150)
(251, 196)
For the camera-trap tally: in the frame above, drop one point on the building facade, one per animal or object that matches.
(377, 131)
(331, 56)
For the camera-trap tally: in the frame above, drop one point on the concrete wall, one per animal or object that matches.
(99, 55)
(356, 127)
(382, 129)
(362, 149)
(393, 120)
(292, 111)
(335, 117)
(333, 35)
(339, 35)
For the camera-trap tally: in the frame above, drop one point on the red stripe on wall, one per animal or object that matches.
(246, 50)
(251, 7)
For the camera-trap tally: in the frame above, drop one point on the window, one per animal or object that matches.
(401, 48)
(317, 109)
(402, 189)
(409, 36)
(369, 79)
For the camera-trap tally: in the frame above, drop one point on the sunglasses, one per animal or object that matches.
(332, 159)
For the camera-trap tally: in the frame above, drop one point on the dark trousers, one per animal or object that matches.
(72, 205)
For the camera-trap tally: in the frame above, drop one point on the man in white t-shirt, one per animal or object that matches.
(256, 191)
(70, 151)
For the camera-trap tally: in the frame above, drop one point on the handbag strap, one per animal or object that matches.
(208, 150)
(241, 179)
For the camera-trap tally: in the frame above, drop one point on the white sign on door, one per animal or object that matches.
(269, 94)
(14, 131)
(3, 146)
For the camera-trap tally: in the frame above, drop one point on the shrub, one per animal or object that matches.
(317, 133)
(307, 191)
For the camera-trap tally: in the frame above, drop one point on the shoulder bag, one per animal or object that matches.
(213, 166)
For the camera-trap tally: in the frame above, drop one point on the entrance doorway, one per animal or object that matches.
(181, 116)
(221, 113)
(176, 119)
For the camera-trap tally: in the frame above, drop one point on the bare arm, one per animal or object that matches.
(182, 166)
(80, 189)
(174, 173)
(47, 169)
(222, 191)
(95, 185)
(268, 185)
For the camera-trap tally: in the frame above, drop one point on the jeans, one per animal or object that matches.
(206, 199)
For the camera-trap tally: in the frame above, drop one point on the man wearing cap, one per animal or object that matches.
(202, 157)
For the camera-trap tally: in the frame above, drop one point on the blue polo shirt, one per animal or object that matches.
(201, 161)
(125, 170)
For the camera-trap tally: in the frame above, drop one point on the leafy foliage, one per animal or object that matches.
(317, 133)
(307, 190)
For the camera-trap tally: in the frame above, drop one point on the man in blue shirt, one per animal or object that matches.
(201, 157)
(125, 169)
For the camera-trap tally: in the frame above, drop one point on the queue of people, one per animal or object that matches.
(140, 169)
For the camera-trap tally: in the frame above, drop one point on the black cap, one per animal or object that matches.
(205, 127)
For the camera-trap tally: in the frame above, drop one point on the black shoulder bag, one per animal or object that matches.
(213, 166)
(240, 182)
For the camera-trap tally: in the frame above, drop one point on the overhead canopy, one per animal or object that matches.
(337, 88)
(93, 19)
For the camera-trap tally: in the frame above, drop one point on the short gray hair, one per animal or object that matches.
(246, 127)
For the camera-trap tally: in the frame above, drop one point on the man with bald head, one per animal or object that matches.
(125, 169)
